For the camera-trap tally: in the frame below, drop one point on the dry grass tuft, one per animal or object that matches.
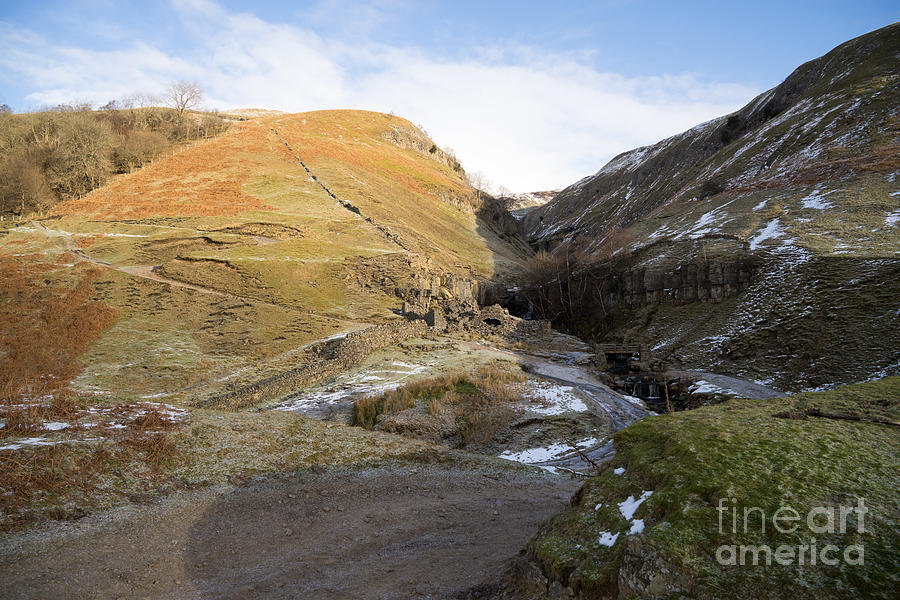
(480, 418)
(155, 447)
(151, 419)
(478, 401)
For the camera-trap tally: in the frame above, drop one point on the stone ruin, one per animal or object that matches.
(488, 320)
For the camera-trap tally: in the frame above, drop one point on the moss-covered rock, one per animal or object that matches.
(713, 480)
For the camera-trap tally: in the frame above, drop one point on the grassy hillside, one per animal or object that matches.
(224, 259)
(801, 182)
(808, 451)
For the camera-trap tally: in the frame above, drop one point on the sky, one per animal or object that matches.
(534, 95)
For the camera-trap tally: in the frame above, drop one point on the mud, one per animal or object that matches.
(405, 532)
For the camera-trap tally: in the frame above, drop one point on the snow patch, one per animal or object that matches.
(771, 231)
(636, 401)
(704, 387)
(816, 200)
(628, 506)
(607, 539)
(556, 399)
(543, 454)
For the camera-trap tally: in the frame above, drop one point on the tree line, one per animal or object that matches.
(66, 151)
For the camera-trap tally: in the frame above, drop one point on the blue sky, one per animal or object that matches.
(533, 95)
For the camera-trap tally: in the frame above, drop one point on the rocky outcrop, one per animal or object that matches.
(693, 282)
(427, 289)
(644, 573)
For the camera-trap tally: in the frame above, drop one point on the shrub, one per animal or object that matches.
(480, 418)
(711, 187)
(138, 149)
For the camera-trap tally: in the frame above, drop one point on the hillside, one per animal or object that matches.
(763, 243)
(225, 258)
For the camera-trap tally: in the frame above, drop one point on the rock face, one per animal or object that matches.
(435, 319)
(745, 234)
(643, 573)
(692, 282)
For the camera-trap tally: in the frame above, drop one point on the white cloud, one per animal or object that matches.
(529, 120)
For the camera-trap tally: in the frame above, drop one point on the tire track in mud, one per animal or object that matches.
(387, 233)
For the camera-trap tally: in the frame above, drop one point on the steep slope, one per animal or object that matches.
(227, 257)
(784, 213)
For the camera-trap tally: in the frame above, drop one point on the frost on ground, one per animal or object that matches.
(547, 398)
(702, 386)
(892, 218)
(545, 453)
(368, 382)
(94, 419)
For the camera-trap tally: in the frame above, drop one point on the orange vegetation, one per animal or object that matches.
(203, 179)
(350, 137)
(44, 326)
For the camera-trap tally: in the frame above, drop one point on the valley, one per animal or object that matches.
(307, 357)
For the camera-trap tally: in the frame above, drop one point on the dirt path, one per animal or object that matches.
(412, 532)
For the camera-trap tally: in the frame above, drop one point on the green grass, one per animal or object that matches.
(741, 452)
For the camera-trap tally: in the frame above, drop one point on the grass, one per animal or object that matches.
(238, 215)
(743, 453)
(86, 466)
(75, 477)
(408, 191)
(476, 401)
(202, 179)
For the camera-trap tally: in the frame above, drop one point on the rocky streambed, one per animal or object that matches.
(564, 415)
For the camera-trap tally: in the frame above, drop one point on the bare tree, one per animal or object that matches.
(183, 95)
(505, 192)
(140, 100)
(480, 183)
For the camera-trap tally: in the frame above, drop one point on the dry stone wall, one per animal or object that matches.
(329, 358)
